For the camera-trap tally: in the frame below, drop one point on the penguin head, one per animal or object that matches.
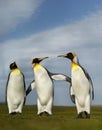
(38, 60)
(13, 66)
(72, 56)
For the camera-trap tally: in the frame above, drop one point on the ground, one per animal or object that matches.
(63, 118)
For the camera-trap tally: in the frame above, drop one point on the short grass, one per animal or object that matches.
(63, 118)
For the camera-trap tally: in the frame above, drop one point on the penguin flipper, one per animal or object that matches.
(92, 88)
(72, 96)
(90, 80)
(60, 77)
(30, 88)
(92, 93)
(24, 88)
(7, 88)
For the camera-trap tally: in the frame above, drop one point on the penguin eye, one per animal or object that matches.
(13, 65)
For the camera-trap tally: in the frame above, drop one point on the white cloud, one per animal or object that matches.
(14, 12)
(83, 37)
(80, 36)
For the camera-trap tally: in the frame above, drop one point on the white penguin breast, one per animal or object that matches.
(15, 89)
(80, 84)
(44, 85)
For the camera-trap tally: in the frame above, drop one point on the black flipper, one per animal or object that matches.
(30, 88)
(89, 78)
(72, 96)
(24, 88)
(57, 76)
(6, 88)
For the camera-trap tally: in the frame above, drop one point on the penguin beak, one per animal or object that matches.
(41, 59)
(65, 55)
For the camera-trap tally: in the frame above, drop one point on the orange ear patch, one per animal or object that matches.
(74, 54)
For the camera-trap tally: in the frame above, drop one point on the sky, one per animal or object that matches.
(40, 28)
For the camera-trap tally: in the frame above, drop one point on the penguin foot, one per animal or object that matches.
(19, 113)
(40, 114)
(80, 115)
(13, 113)
(87, 115)
(47, 114)
(44, 113)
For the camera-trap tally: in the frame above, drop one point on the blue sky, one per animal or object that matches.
(37, 28)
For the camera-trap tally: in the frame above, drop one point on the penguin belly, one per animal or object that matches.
(44, 88)
(80, 86)
(15, 92)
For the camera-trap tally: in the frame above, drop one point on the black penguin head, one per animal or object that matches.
(68, 55)
(13, 66)
(71, 55)
(38, 60)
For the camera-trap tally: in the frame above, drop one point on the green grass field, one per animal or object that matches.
(63, 118)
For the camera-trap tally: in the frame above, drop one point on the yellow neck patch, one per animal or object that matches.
(16, 70)
(74, 65)
(36, 66)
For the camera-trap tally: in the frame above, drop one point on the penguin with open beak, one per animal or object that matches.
(81, 86)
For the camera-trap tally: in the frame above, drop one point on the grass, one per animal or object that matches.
(63, 118)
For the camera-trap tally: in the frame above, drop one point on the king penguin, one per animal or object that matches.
(81, 85)
(15, 90)
(44, 86)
